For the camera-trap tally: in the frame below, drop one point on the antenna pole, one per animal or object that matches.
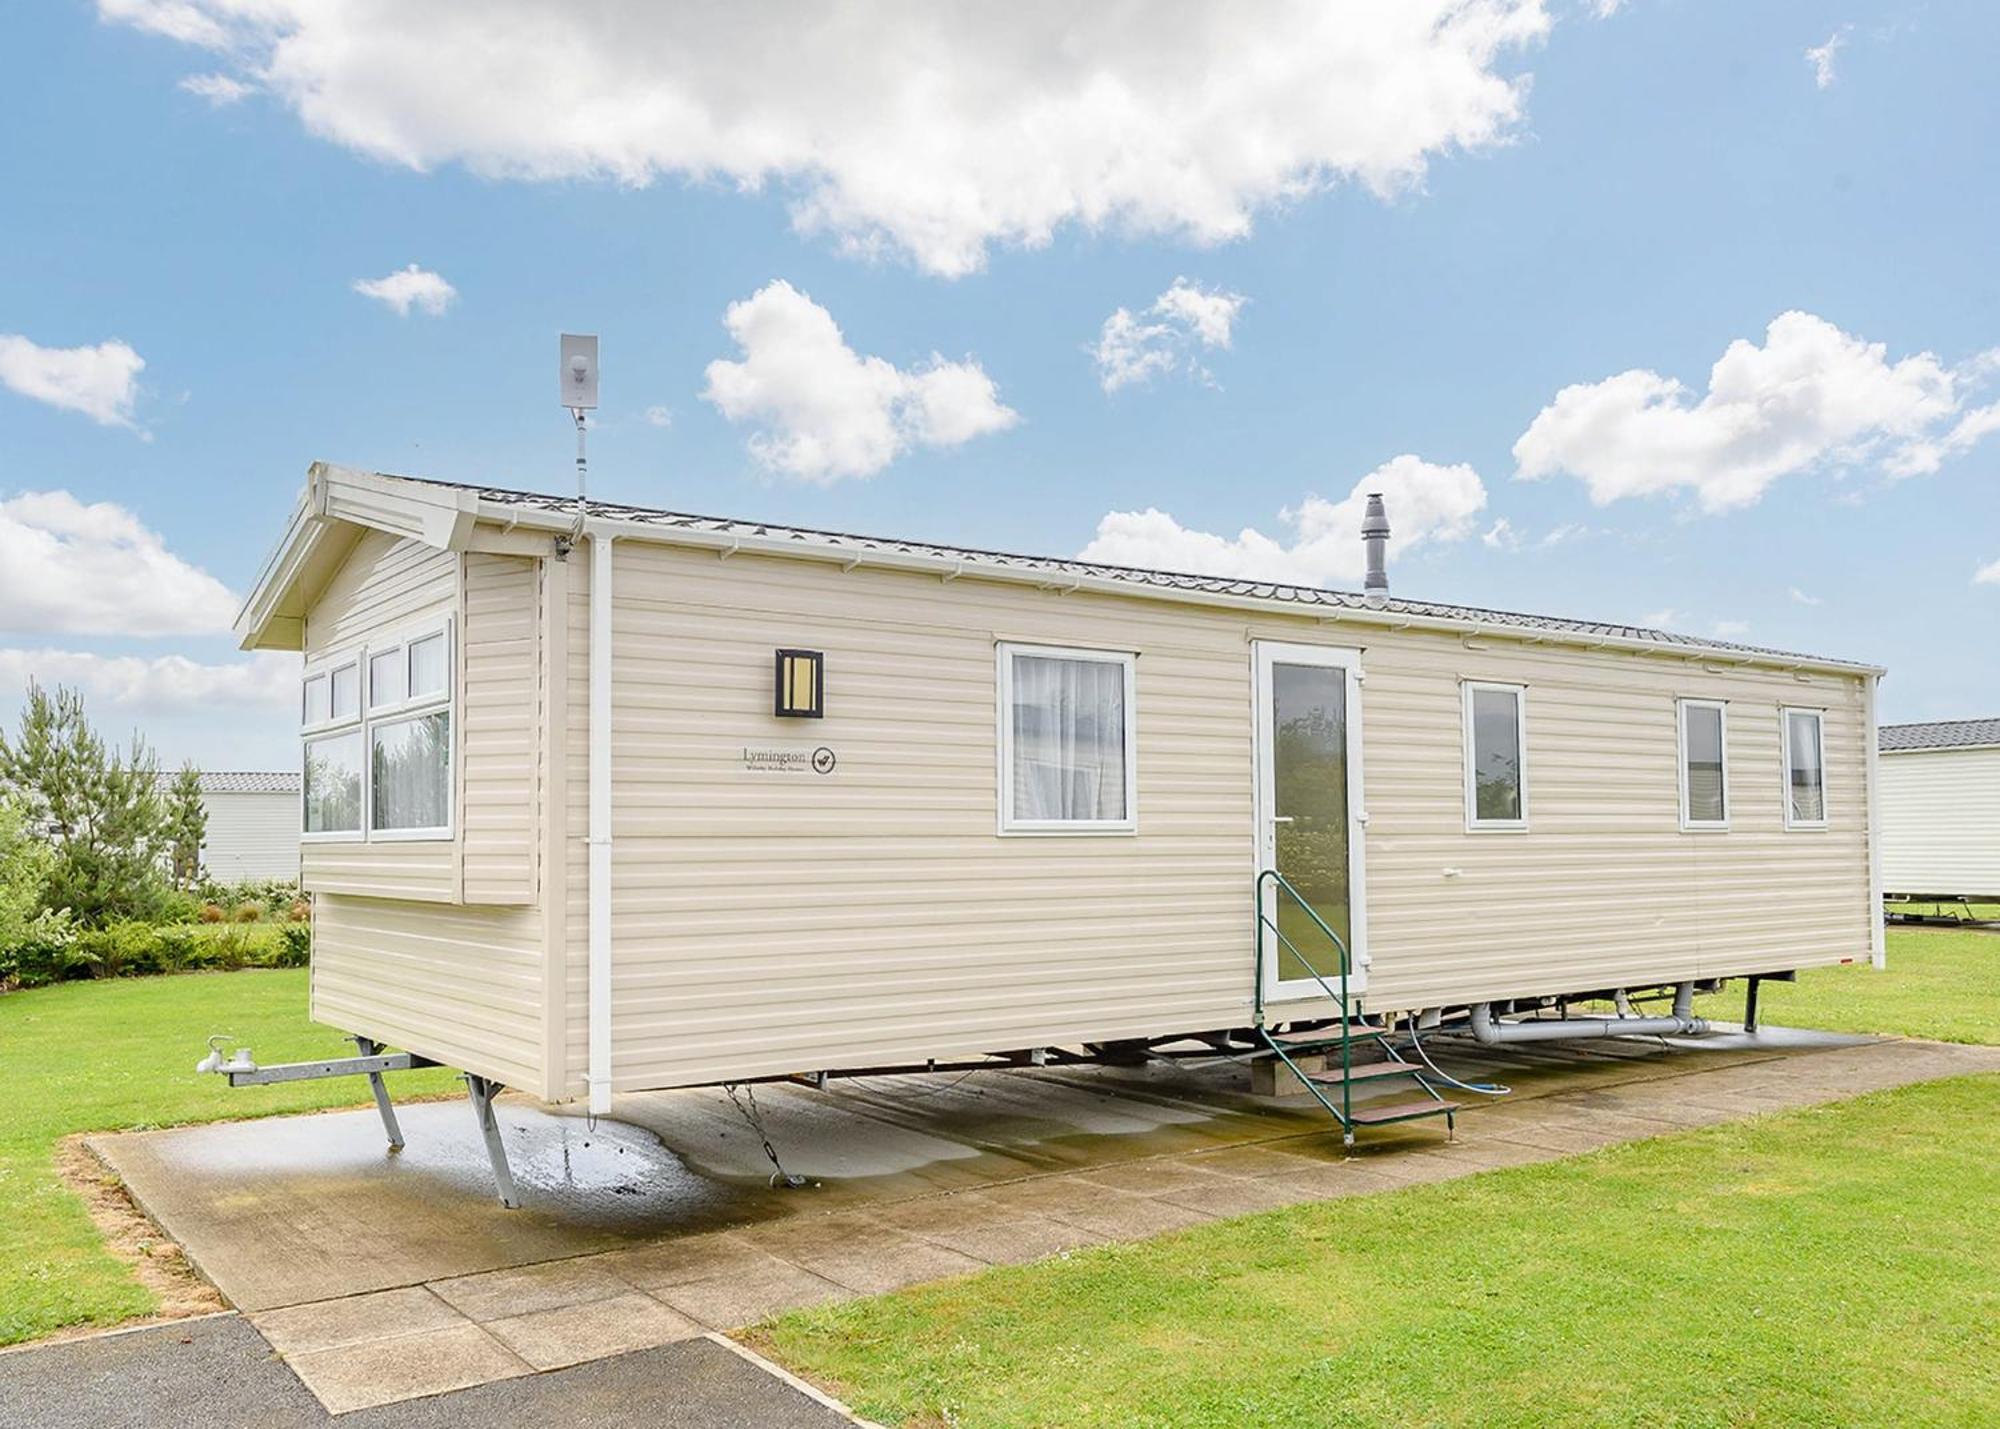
(582, 467)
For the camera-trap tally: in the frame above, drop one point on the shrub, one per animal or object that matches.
(294, 948)
(213, 913)
(232, 947)
(299, 910)
(248, 913)
(44, 953)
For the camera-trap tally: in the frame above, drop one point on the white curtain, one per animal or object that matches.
(1069, 739)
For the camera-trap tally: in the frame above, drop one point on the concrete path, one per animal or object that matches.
(218, 1373)
(1164, 1149)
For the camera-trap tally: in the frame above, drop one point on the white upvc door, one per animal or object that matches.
(1310, 815)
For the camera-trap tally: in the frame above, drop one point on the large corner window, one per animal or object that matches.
(378, 760)
(1704, 764)
(1496, 756)
(1805, 769)
(1068, 750)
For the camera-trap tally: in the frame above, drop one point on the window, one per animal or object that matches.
(410, 770)
(386, 772)
(1068, 749)
(1496, 759)
(333, 784)
(1704, 764)
(1805, 769)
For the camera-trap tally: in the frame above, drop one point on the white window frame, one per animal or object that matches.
(368, 716)
(310, 731)
(1785, 713)
(1011, 827)
(1691, 825)
(1473, 823)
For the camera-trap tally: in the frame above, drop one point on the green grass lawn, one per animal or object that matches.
(1940, 983)
(94, 1056)
(1829, 1266)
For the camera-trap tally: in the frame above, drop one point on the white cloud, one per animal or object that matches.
(76, 569)
(407, 288)
(162, 684)
(933, 131)
(1921, 458)
(1568, 531)
(1665, 618)
(219, 90)
(1821, 57)
(1501, 536)
(1987, 574)
(1811, 397)
(823, 411)
(1134, 349)
(102, 382)
(659, 416)
(1427, 503)
(1731, 629)
(1799, 597)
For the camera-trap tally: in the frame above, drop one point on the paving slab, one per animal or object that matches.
(592, 1329)
(397, 1367)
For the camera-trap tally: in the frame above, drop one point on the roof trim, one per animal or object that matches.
(435, 514)
(443, 514)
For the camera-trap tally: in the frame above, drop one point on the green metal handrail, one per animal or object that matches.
(1282, 885)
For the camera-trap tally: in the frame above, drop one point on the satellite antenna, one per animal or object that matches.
(577, 381)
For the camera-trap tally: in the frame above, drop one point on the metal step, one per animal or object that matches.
(1312, 1042)
(1376, 1114)
(1367, 1072)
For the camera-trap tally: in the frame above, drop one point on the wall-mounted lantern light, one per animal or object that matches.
(801, 685)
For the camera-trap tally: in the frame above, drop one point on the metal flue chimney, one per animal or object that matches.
(1375, 540)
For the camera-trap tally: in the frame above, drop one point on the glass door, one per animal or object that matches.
(1309, 814)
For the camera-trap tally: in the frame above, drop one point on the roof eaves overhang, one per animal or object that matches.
(513, 515)
(339, 499)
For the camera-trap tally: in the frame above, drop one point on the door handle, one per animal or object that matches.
(1281, 818)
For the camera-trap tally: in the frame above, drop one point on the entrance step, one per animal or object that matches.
(1368, 1072)
(1380, 1115)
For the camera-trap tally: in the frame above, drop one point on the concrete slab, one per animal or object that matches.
(526, 1289)
(592, 1329)
(383, 1371)
(294, 1209)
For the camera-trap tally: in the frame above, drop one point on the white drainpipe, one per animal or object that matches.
(599, 1076)
(1878, 944)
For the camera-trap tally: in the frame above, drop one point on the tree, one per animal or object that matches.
(24, 872)
(187, 825)
(98, 809)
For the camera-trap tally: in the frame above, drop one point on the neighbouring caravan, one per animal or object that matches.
(253, 824)
(601, 799)
(1941, 810)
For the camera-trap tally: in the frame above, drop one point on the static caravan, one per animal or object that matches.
(253, 824)
(601, 799)
(1941, 811)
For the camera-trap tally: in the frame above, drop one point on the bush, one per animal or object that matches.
(213, 913)
(122, 949)
(248, 913)
(295, 942)
(45, 952)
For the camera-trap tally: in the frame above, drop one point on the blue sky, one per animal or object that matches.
(1585, 199)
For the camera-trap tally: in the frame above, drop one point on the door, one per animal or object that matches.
(1309, 814)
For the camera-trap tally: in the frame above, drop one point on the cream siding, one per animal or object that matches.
(499, 718)
(1941, 821)
(462, 985)
(767, 923)
(251, 836)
